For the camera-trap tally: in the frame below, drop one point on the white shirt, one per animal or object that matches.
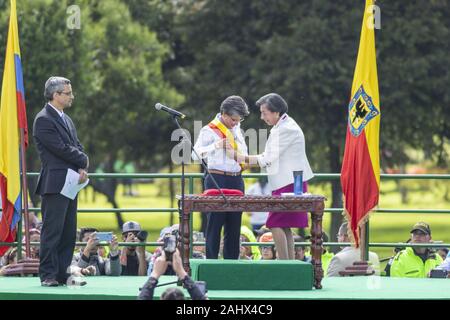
(256, 190)
(61, 113)
(346, 257)
(445, 265)
(284, 153)
(217, 158)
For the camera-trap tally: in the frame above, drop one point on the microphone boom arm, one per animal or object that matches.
(202, 161)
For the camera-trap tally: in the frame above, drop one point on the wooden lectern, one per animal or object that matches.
(310, 203)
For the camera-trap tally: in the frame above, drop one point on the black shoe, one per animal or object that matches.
(49, 283)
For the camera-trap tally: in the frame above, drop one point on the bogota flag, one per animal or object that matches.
(12, 119)
(360, 174)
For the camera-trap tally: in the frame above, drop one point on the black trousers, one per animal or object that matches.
(58, 236)
(231, 221)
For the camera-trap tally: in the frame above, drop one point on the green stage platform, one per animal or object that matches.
(253, 275)
(126, 288)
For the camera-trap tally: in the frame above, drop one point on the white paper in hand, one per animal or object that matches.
(71, 186)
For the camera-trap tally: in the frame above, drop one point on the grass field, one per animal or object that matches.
(384, 227)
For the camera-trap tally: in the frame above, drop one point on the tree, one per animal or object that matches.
(115, 65)
(306, 51)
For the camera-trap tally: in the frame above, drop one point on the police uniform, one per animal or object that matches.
(407, 263)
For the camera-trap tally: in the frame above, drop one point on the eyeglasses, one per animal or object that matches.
(70, 93)
(235, 120)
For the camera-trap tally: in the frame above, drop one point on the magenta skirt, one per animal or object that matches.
(287, 219)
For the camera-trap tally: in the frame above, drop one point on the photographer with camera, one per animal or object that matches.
(89, 255)
(134, 260)
(169, 237)
(196, 291)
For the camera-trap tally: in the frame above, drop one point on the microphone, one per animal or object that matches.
(171, 111)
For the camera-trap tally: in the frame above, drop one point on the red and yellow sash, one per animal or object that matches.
(224, 133)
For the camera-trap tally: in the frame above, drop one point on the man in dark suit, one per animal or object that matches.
(59, 150)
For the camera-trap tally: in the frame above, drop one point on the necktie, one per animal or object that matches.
(63, 117)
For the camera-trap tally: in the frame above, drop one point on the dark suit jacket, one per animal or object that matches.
(59, 149)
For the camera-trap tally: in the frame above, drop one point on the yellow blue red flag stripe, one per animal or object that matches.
(12, 119)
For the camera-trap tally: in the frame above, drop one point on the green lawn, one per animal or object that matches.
(383, 227)
(147, 197)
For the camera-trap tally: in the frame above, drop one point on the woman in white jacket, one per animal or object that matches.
(284, 153)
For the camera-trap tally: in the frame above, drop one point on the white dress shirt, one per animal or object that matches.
(61, 113)
(217, 158)
(445, 265)
(285, 153)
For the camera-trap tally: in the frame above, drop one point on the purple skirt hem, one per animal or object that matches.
(287, 219)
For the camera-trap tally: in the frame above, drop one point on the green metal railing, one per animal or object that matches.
(190, 177)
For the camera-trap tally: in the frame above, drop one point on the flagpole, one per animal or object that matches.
(24, 195)
(364, 241)
(24, 266)
(366, 247)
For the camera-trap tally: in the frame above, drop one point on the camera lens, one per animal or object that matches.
(142, 235)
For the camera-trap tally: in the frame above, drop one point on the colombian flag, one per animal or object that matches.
(12, 118)
(360, 174)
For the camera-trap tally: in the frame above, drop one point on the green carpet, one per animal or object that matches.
(127, 288)
(253, 275)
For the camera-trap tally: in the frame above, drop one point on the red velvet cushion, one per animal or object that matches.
(216, 192)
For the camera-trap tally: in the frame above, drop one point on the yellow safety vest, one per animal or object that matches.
(407, 264)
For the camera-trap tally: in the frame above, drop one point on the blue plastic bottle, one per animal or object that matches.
(298, 182)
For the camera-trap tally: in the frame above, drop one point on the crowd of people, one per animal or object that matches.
(222, 146)
(97, 258)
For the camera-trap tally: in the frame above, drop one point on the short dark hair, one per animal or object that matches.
(234, 105)
(173, 294)
(83, 231)
(274, 102)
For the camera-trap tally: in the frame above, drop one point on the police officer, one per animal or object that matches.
(416, 262)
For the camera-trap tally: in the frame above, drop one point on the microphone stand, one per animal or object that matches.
(205, 167)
